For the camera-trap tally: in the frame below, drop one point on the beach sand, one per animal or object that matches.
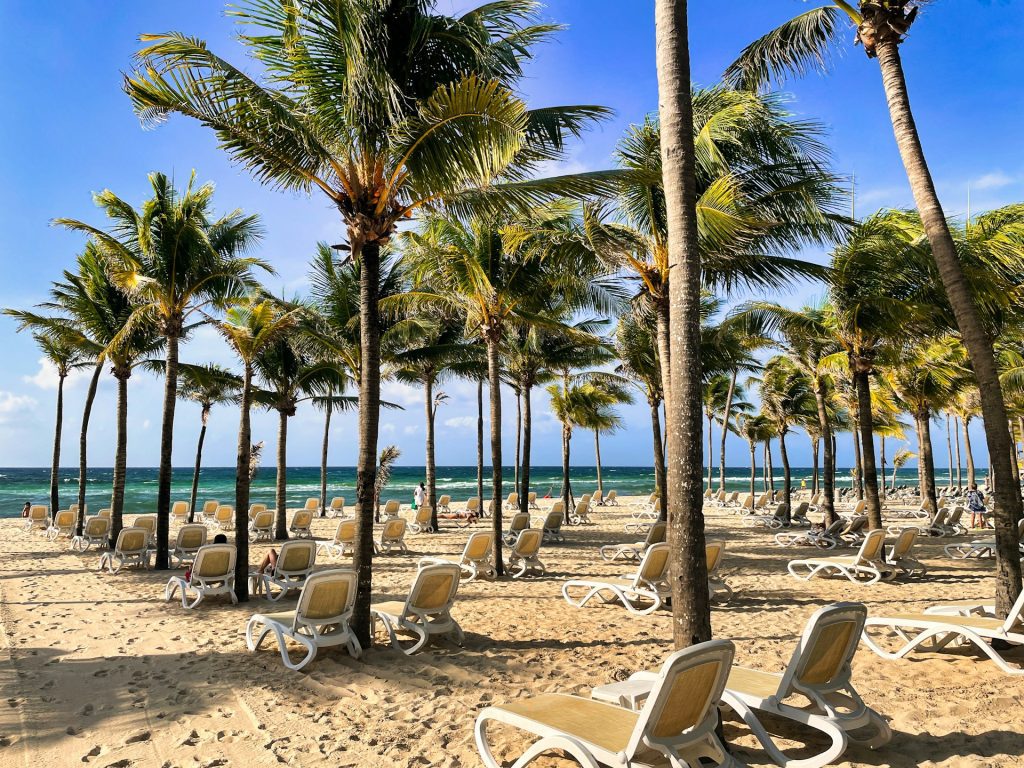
(98, 670)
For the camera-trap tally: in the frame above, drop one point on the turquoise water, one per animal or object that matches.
(20, 485)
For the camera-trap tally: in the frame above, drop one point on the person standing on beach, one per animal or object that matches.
(976, 506)
(26, 508)
(417, 496)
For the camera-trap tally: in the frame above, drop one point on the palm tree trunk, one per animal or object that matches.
(867, 440)
(597, 458)
(663, 339)
(519, 434)
(524, 475)
(120, 455)
(199, 465)
(58, 427)
(949, 450)
(815, 461)
(1014, 463)
(895, 468)
(959, 457)
(691, 612)
(753, 468)
(566, 446)
(480, 444)
(881, 468)
(369, 418)
(965, 426)
(163, 483)
(858, 464)
(787, 491)
(242, 489)
(926, 460)
(83, 444)
(281, 491)
(431, 469)
(494, 385)
(769, 470)
(1008, 507)
(660, 470)
(710, 455)
(328, 410)
(725, 430)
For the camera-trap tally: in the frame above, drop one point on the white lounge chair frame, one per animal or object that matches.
(824, 539)
(655, 535)
(295, 563)
(421, 519)
(523, 558)
(867, 563)
(63, 524)
(95, 531)
(213, 573)
(642, 593)
(261, 527)
(520, 521)
(344, 541)
(191, 538)
(426, 612)
(477, 557)
(392, 536)
(131, 548)
(302, 519)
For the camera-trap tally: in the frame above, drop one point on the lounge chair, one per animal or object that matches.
(981, 547)
(523, 557)
(225, 517)
(421, 519)
(558, 506)
(512, 502)
(746, 505)
(302, 519)
(208, 511)
(313, 505)
(444, 505)
(38, 518)
(294, 564)
(772, 522)
(716, 499)
(63, 524)
(344, 542)
(392, 536)
(642, 593)
(854, 532)
(814, 537)
(597, 498)
(868, 562)
(213, 573)
(473, 506)
(675, 727)
(581, 515)
(476, 557)
(255, 509)
(148, 522)
(179, 511)
(96, 531)
(426, 612)
(191, 538)
(551, 526)
(655, 535)
(337, 507)
(953, 525)
(131, 548)
(799, 518)
(718, 590)
(520, 522)
(817, 680)
(900, 557)
(261, 527)
(391, 508)
(612, 499)
(106, 512)
(320, 620)
(938, 631)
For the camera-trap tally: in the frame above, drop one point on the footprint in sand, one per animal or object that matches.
(138, 736)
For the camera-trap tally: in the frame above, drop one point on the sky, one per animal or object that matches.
(69, 132)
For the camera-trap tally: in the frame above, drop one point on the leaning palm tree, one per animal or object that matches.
(598, 415)
(249, 327)
(206, 385)
(172, 258)
(803, 44)
(755, 429)
(383, 107)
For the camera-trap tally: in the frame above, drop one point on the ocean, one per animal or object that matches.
(20, 485)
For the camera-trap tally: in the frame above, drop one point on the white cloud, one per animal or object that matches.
(389, 428)
(461, 422)
(12, 406)
(994, 180)
(411, 429)
(145, 423)
(401, 393)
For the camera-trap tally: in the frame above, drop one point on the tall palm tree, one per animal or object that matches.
(172, 258)
(206, 385)
(598, 415)
(383, 107)
(249, 327)
(755, 429)
(803, 44)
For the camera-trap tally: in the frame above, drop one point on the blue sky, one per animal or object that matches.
(69, 131)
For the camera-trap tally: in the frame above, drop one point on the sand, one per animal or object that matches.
(98, 670)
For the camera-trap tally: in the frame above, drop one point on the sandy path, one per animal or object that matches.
(98, 670)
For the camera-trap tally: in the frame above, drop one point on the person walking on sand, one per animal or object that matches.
(418, 496)
(976, 506)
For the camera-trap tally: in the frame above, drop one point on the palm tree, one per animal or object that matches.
(598, 415)
(802, 44)
(249, 327)
(173, 259)
(383, 107)
(328, 403)
(755, 429)
(899, 460)
(206, 385)
(966, 407)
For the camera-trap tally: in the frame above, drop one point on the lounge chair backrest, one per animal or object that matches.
(714, 550)
(338, 504)
(312, 504)
(394, 529)
(224, 512)
(263, 521)
(132, 539)
(73, 508)
(528, 543)
(708, 493)
(532, 498)
(302, 519)
(656, 533)
(836, 528)
(688, 687)
(558, 506)
(801, 510)
(582, 508)
(954, 516)
(179, 509)
(434, 589)
(146, 521)
(478, 546)
(106, 512)
(585, 499)
(65, 519)
(860, 507)
(423, 514)
(815, 499)
(856, 524)
(748, 501)
(297, 556)
(97, 526)
(326, 598)
(444, 501)
(780, 510)
(346, 532)
(392, 507)
(596, 497)
(652, 498)
(1016, 615)
(512, 500)
(214, 561)
(611, 495)
(553, 520)
(822, 659)
(191, 537)
(210, 507)
(473, 504)
(871, 548)
(654, 565)
(904, 542)
(255, 509)
(520, 522)
(939, 518)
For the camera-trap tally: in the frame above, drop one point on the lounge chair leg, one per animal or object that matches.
(570, 746)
